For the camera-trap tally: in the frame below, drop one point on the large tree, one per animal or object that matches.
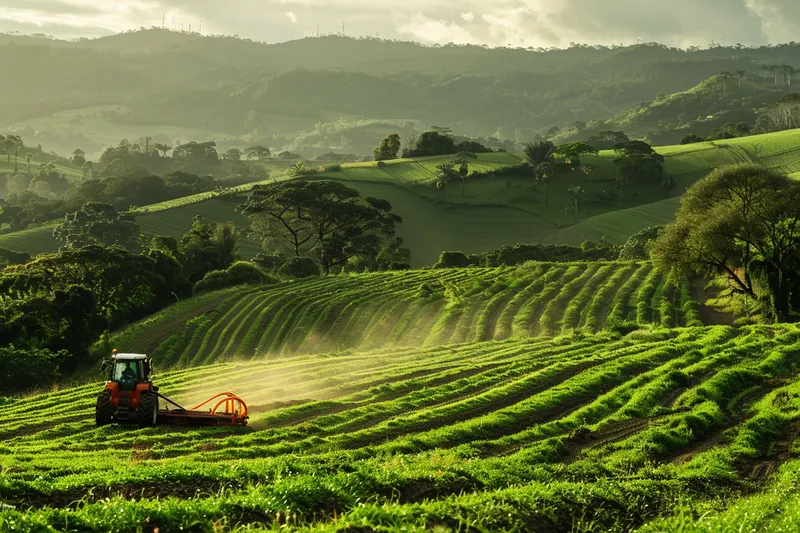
(261, 153)
(638, 162)
(742, 222)
(572, 152)
(324, 220)
(96, 223)
(388, 148)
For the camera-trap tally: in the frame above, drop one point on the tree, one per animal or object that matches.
(79, 157)
(207, 247)
(234, 154)
(96, 223)
(433, 142)
(204, 152)
(13, 144)
(539, 156)
(444, 173)
(163, 148)
(740, 74)
(28, 158)
(86, 170)
(325, 220)
(388, 148)
(572, 152)
(576, 196)
(692, 138)
(287, 155)
(606, 140)
(48, 173)
(725, 76)
(638, 162)
(742, 222)
(260, 153)
(461, 162)
(782, 115)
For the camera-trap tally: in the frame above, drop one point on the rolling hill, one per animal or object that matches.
(413, 308)
(491, 212)
(673, 430)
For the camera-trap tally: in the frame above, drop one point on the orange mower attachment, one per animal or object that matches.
(225, 409)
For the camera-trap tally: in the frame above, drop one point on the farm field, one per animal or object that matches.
(414, 309)
(689, 429)
(492, 212)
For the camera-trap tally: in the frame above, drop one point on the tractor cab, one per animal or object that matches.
(128, 369)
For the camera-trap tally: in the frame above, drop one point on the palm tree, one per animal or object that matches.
(28, 158)
(461, 162)
(576, 196)
(740, 74)
(444, 173)
(725, 77)
(539, 156)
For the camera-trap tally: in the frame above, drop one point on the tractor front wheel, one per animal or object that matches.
(147, 413)
(103, 410)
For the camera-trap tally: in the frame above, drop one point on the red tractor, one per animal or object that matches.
(130, 396)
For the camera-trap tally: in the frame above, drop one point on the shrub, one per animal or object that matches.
(299, 267)
(452, 260)
(637, 247)
(381, 164)
(239, 273)
(269, 262)
(332, 168)
(22, 369)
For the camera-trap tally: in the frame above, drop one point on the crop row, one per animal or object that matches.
(578, 432)
(424, 308)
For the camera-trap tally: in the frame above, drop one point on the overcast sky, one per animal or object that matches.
(493, 22)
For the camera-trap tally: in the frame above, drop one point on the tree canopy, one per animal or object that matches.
(98, 224)
(742, 222)
(324, 220)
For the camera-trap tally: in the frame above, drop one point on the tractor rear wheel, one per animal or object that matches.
(147, 413)
(103, 410)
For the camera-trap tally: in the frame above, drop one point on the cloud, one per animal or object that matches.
(492, 22)
(428, 30)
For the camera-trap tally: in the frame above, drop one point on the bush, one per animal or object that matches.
(299, 267)
(269, 262)
(239, 273)
(637, 247)
(332, 168)
(381, 164)
(22, 369)
(452, 260)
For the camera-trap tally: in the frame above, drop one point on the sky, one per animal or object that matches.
(525, 23)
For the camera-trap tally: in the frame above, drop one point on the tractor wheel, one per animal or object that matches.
(103, 410)
(147, 413)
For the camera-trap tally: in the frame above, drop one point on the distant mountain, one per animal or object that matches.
(197, 86)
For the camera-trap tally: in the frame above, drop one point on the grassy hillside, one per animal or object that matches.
(415, 308)
(491, 212)
(568, 434)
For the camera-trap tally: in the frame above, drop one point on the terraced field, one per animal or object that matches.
(416, 308)
(666, 430)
